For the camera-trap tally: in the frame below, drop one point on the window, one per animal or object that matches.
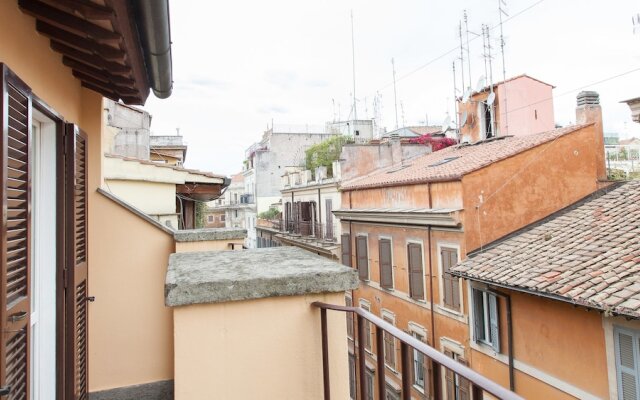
(485, 318)
(236, 213)
(349, 303)
(367, 327)
(418, 364)
(416, 273)
(457, 386)
(362, 256)
(391, 393)
(389, 343)
(210, 218)
(627, 347)
(450, 283)
(222, 218)
(345, 242)
(386, 268)
(352, 376)
(369, 377)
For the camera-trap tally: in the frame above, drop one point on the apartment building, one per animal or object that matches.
(406, 226)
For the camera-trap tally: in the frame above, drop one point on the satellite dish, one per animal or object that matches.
(491, 98)
(463, 122)
(446, 124)
(480, 84)
(466, 96)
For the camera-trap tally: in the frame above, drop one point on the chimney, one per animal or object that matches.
(590, 112)
(396, 149)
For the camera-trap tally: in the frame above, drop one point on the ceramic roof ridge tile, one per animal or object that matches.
(606, 277)
(431, 168)
(176, 168)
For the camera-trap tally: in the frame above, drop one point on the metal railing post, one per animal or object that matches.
(361, 359)
(477, 391)
(405, 360)
(380, 362)
(325, 354)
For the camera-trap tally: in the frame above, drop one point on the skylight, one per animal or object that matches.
(443, 161)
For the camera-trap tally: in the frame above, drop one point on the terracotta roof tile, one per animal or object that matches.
(454, 162)
(588, 254)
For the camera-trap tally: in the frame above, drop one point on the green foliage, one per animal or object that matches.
(634, 175)
(325, 153)
(201, 209)
(271, 214)
(616, 174)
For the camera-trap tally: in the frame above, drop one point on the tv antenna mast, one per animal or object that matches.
(501, 10)
(353, 62)
(488, 57)
(466, 26)
(461, 53)
(395, 93)
(635, 20)
(455, 92)
(402, 110)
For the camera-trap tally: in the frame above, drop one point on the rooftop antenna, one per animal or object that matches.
(489, 57)
(395, 93)
(402, 110)
(353, 59)
(461, 53)
(466, 26)
(484, 49)
(501, 10)
(333, 104)
(455, 92)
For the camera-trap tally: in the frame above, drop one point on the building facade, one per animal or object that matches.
(405, 227)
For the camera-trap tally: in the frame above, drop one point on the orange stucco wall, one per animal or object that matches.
(443, 194)
(529, 186)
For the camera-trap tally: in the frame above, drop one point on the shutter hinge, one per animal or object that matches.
(5, 390)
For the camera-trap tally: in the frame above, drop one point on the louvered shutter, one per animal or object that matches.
(455, 286)
(494, 322)
(627, 365)
(362, 257)
(463, 383)
(16, 236)
(345, 242)
(329, 219)
(386, 274)
(416, 275)
(449, 378)
(76, 262)
(478, 314)
(446, 278)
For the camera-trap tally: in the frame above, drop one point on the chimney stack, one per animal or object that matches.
(396, 149)
(590, 112)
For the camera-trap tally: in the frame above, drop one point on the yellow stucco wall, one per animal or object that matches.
(151, 197)
(259, 349)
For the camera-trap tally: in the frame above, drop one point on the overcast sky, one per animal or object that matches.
(239, 65)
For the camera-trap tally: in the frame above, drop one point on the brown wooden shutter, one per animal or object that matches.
(362, 257)
(328, 218)
(450, 284)
(464, 386)
(386, 272)
(416, 274)
(455, 285)
(76, 263)
(449, 378)
(345, 242)
(16, 237)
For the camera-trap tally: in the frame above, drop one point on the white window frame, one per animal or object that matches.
(458, 351)
(393, 272)
(417, 329)
(635, 335)
(441, 305)
(385, 313)
(366, 305)
(493, 343)
(424, 281)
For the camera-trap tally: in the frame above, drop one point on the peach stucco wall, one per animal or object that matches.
(443, 195)
(259, 349)
(529, 186)
(208, 245)
(130, 339)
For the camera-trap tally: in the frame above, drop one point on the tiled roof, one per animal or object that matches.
(155, 164)
(454, 162)
(237, 178)
(586, 254)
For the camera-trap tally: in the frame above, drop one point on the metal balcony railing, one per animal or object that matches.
(246, 199)
(308, 229)
(439, 362)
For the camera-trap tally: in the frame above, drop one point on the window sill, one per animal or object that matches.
(486, 349)
(392, 369)
(457, 315)
(418, 388)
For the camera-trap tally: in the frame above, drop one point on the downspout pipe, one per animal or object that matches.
(154, 30)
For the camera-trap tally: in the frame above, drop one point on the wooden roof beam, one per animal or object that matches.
(59, 35)
(68, 22)
(90, 59)
(97, 73)
(120, 90)
(85, 8)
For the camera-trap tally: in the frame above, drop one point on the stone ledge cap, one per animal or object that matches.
(204, 234)
(223, 276)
